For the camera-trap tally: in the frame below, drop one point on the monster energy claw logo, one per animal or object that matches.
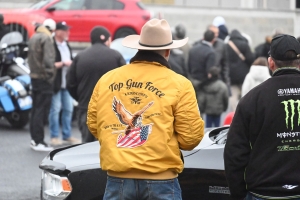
(292, 104)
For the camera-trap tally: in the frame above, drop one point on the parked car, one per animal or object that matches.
(73, 173)
(120, 17)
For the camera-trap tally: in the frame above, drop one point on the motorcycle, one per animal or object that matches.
(15, 82)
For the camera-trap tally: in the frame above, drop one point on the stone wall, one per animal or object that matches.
(256, 23)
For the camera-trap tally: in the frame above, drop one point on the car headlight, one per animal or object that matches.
(55, 187)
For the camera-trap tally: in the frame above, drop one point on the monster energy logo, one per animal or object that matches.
(288, 118)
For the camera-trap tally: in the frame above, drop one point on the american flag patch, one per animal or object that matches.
(136, 137)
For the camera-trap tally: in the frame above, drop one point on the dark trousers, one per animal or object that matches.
(41, 101)
(212, 120)
(86, 135)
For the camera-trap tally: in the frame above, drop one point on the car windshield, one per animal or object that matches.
(39, 4)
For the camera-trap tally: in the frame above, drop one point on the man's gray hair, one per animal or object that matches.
(288, 63)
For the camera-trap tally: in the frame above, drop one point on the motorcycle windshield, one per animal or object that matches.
(11, 38)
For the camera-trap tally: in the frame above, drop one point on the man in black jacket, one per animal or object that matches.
(87, 68)
(201, 59)
(262, 151)
(238, 68)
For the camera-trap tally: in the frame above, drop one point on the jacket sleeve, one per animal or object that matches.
(48, 57)
(92, 111)
(188, 124)
(237, 153)
(211, 61)
(71, 79)
(225, 97)
(225, 67)
(249, 56)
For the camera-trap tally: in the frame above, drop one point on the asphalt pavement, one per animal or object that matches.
(20, 176)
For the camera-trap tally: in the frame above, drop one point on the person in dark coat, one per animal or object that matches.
(87, 68)
(238, 68)
(219, 22)
(221, 58)
(176, 59)
(263, 49)
(41, 59)
(261, 155)
(202, 57)
(179, 34)
(213, 98)
(3, 29)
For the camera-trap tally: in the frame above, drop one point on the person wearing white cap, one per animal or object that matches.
(62, 102)
(41, 58)
(142, 114)
(50, 24)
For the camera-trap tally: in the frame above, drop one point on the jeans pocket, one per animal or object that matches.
(164, 189)
(113, 190)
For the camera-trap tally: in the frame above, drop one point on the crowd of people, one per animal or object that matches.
(240, 67)
(58, 80)
(145, 112)
(219, 60)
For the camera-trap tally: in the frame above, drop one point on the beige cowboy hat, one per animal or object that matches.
(155, 35)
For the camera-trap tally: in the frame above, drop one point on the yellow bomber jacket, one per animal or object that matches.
(142, 114)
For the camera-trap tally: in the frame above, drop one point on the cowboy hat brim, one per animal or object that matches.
(132, 41)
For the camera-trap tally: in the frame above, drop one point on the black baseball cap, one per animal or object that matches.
(99, 34)
(62, 26)
(283, 43)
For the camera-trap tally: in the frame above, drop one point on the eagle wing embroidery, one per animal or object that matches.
(125, 117)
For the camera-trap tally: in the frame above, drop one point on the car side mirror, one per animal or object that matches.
(50, 9)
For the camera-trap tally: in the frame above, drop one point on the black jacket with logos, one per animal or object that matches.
(87, 68)
(262, 153)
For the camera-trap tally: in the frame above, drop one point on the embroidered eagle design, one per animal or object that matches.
(126, 118)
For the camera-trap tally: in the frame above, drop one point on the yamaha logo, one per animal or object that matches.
(288, 91)
(280, 92)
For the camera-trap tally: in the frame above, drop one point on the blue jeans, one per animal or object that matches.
(251, 197)
(212, 120)
(62, 100)
(140, 189)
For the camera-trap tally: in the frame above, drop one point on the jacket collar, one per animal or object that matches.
(207, 43)
(149, 56)
(286, 70)
(43, 29)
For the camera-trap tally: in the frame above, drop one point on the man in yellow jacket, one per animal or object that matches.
(142, 114)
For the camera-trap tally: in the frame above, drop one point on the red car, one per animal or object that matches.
(120, 17)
